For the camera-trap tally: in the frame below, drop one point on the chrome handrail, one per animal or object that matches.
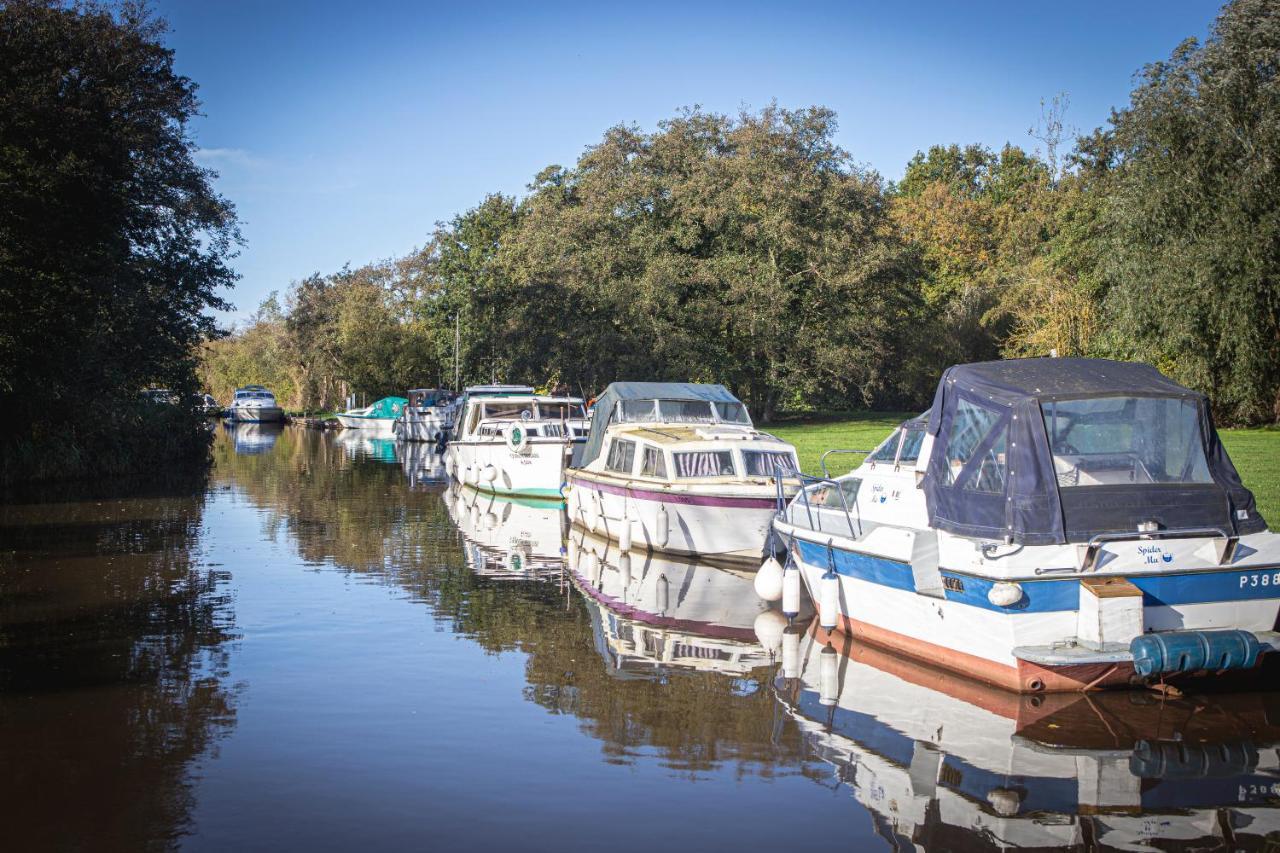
(823, 460)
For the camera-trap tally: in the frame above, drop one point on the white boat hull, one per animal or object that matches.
(709, 527)
(491, 466)
(374, 427)
(256, 414)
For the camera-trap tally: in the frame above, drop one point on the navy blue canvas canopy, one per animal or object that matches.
(1053, 450)
(607, 404)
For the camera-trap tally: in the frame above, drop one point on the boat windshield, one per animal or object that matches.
(1123, 440)
(511, 411)
(682, 412)
(561, 412)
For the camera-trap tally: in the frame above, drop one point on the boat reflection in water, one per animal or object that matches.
(508, 536)
(946, 763)
(359, 444)
(423, 467)
(252, 438)
(655, 611)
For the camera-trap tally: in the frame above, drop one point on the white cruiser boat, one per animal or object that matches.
(507, 440)
(1054, 524)
(376, 420)
(678, 467)
(254, 404)
(427, 416)
(944, 763)
(657, 611)
(508, 537)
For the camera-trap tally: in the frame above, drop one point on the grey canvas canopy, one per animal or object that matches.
(607, 405)
(1054, 450)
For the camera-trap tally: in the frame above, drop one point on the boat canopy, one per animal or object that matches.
(387, 407)
(643, 402)
(1045, 451)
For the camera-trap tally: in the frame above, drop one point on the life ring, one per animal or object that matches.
(517, 438)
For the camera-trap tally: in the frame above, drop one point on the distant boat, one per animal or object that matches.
(254, 404)
(427, 416)
(377, 420)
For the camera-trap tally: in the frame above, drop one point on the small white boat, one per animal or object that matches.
(942, 762)
(427, 416)
(254, 404)
(678, 467)
(508, 537)
(510, 441)
(376, 420)
(1054, 524)
(659, 611)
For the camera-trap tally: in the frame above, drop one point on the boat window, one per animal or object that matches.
(622, 456)
(704, 463)
(561, 411)
(849, 487)
(888, 451)
(473, 418)
(912, 440)
(828, 495)
(733, 413)
(991, 473)
(686, 411)
(1120, 440)
(652, 464)
(970, 426)
(638, 411)
(507, 411)
(768, 463)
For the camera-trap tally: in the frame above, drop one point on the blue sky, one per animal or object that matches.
(343, 132)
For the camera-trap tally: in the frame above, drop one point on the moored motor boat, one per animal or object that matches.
(377, 420)
(1054, 524)
(507, 440)
(254, 404)
(427, 415)
(679, 468)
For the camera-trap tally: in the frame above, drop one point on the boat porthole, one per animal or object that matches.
(1035, 685)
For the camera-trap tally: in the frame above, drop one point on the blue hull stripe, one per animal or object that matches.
(1048, 596)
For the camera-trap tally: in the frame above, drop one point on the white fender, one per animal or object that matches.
(593, 510)
(489, 474)
(624, 536)
(829, 600)
(663, 527)
(768, 581)
(769, 626)
(791, 652)
(828, 677)
(664, 594)
(624, 573)
(791, 592)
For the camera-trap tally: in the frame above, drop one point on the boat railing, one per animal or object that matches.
(807, 484)
(823, 460)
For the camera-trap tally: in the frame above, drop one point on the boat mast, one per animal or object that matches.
(457, 345)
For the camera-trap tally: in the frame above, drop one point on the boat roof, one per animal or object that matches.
(494, 390)
(1013, 380)
(668, 391)
(668, 435)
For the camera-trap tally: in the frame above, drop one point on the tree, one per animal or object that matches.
(113, 244)
(1194, 215)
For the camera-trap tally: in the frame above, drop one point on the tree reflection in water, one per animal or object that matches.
(364, 516)
(113, 664)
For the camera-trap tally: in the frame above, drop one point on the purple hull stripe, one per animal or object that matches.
(676, 498)
(688, 626)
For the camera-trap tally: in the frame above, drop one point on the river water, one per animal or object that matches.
(320, 646)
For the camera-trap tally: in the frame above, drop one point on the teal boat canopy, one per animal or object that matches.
(630, 401)
(387, 407)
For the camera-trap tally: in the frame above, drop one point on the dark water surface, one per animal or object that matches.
(321, 647)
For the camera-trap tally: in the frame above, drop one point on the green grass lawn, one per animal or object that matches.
(1255, 452)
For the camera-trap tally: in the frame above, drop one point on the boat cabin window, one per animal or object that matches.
(622, 456)
(508, 411)
(652, 464)
(686, 411)
(638, 411)
(704, 463)
(561, 411)
(971, 425)
(733, 413)
(1122, 440)
(768, 463)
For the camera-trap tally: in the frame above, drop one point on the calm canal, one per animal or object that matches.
(320, 646)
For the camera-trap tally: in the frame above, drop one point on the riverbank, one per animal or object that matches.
(1255, 452)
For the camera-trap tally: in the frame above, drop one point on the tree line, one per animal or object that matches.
(752, 250)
